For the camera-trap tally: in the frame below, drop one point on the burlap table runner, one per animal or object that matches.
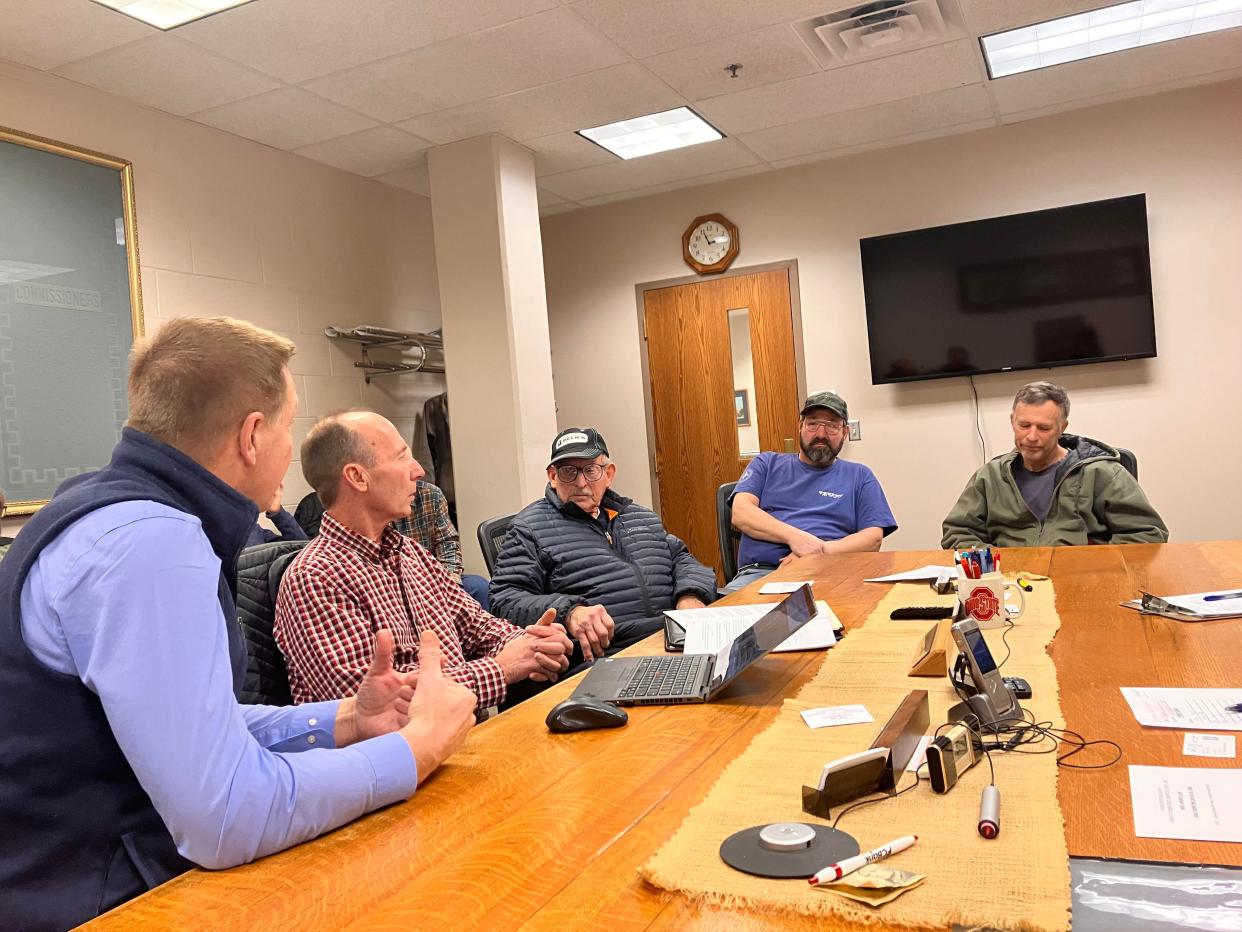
(1019, 880)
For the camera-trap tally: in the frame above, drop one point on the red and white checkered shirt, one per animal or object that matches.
(342, 588)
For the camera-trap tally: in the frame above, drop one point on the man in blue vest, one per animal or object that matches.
(125, 758)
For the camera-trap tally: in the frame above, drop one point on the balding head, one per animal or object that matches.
(357, 462)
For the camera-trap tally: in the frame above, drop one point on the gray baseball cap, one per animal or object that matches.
(830, 400)
(575, 443)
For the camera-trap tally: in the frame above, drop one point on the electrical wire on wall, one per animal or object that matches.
(983, 444)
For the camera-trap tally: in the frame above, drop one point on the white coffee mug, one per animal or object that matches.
(984, 599)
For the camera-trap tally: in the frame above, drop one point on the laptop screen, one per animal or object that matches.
(766, 634)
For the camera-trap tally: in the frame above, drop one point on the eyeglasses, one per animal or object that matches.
(834, 428)
(592, 471)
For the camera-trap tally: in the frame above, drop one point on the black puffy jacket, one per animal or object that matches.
(557, 556)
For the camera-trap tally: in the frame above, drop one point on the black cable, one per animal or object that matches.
(880, 799)
(1005, 641)
(1031, 732)
(983, 444)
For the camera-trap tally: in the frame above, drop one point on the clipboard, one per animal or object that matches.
(1148, 604)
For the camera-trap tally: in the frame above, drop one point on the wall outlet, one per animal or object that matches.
(855, 429)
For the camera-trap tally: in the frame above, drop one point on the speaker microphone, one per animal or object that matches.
(989, 812)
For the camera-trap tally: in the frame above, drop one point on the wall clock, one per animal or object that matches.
(710, 244)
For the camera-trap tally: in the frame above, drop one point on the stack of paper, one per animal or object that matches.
(708, 630)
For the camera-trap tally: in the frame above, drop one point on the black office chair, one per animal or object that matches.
(491, 535)
(309, 514)
(259, 570)
(728, 538)
(1129, 461)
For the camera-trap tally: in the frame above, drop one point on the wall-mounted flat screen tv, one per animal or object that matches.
(1055, 287)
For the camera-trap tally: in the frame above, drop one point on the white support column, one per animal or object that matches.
(489, 259)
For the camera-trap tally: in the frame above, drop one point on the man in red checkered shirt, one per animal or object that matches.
(360, 575)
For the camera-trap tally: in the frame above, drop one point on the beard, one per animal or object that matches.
(821, 452)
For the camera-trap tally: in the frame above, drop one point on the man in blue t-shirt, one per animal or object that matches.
(792, 506)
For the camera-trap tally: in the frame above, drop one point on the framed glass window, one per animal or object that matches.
(70, 310)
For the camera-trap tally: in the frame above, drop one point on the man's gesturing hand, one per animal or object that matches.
(382, 703)
(593, 627)
(441, 713)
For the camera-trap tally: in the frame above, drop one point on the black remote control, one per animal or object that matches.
(1020, 687)
(922, 613)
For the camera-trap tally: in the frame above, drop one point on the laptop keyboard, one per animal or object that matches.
(664, 676)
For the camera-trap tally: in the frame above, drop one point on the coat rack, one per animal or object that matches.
(420, 352)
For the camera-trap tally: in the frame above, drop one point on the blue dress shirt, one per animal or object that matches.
(126, 600)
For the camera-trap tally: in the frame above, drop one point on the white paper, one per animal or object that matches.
(1197, 745)
(836, 715)
(1191, 803)
(708, 630)
(919, 757)
(1198, 603)
(1204, 709)
(922, 573)
(783, 588)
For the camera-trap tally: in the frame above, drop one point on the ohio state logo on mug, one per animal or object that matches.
(982, 603)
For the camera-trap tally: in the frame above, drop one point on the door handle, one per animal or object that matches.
(789, 445)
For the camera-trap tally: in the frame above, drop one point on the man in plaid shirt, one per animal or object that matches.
(428, 523)
(360, 575)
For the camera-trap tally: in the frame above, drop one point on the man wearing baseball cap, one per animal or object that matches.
(605, 564)
(792, 505)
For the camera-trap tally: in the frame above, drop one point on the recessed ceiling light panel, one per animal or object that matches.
(656, 132)
(169, 14)
(1110, 29)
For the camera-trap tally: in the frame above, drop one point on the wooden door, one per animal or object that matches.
(691, 360)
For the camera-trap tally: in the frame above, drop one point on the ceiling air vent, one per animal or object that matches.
(882, 27)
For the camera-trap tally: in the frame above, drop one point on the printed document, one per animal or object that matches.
(708, 630)
(1189, 803)
(784, 588)
(1197, 745)
(836, 715)
(1195, 709)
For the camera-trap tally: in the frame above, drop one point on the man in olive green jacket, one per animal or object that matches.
(1054, 489)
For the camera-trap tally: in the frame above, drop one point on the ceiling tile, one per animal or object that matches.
(537, 50)
(1019, 116)
(696, 182)
(562, 208)
(865, 84)
(678, 165)
(169, 74)
(766, 55)
(300, 39)
(565, 152)
(286, 118)
(548, 199)
(416, 178)
(579, 102)
(942, 109)
(648, 27)
(1125, 74)
(891, 143)
(984, 17)
(379, 151)
(50, 33)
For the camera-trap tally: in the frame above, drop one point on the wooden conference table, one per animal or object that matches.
(523, 828)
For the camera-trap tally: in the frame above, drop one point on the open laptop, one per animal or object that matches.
(671, 679)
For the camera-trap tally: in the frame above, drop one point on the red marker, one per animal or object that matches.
(849, 865)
